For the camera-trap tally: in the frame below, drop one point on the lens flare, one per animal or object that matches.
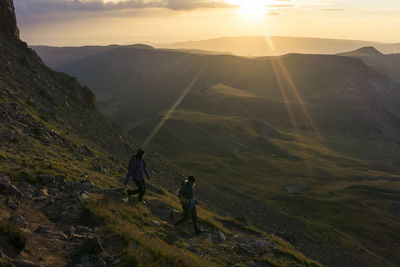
(250, 9)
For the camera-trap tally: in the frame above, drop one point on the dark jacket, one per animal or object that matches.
(186, 195)
(136, 169)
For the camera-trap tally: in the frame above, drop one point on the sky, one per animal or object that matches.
(102, 22)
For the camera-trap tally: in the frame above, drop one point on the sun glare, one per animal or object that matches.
(250, 9)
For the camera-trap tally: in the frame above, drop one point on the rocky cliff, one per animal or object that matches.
(8, 22)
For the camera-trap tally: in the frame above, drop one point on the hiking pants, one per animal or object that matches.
(141, 189)
(186, 212)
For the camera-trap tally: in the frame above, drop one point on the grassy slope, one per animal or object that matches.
(49, 135)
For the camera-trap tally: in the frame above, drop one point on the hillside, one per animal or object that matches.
(256, 46)
(313, 139)
(61, 200)
(387, 64)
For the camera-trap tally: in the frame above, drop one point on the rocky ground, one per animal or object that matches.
(53, 220)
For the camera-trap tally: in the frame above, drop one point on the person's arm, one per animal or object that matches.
(145, 170)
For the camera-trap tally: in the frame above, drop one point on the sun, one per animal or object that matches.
(250, 9)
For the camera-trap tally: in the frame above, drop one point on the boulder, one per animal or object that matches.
(11, 204)
(9, 189)
(51, 233)
(25, 188)
(83, 230)
(14, 191)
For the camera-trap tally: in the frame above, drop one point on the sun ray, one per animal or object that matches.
(291, 114)
(173, 108)
(299, 98)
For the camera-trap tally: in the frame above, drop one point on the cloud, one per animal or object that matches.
(45, 6)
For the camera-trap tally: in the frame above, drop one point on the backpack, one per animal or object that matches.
(182, 193)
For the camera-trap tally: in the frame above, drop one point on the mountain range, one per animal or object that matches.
(387, 64)
(256, 46)
(304, 146)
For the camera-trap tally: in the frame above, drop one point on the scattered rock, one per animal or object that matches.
(25, 263)
(18, 220)
(52, 191)
(296, 188)
(84, 196)
(254, 247)
(83, 230)
(42, 192)
(11, 204)
(42, 198)
(51, 233)
(9, 189)
(252, 264)
(156, 223)
(92, 246)
(221, 236)
(174, 215)
(192, 242)
(25, 187)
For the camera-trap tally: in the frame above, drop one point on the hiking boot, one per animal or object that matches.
(141, 202)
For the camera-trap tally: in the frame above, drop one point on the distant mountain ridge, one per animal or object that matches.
(278, 45)
(388, 64)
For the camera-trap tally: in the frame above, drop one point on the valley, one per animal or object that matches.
(303, 146)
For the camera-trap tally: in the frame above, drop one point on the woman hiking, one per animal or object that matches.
(188, 202)
(137, 166)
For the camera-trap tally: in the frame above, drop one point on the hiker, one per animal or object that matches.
(188, 201)
(136, 167)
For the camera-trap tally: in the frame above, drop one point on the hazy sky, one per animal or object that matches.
(78, 22)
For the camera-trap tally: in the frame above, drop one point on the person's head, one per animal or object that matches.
(140, 154)
(191, 179)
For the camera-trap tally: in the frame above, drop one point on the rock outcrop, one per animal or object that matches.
(8, 22)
